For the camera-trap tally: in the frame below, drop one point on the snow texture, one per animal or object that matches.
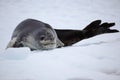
(97, 58)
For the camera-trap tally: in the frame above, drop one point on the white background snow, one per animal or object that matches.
(97, 58)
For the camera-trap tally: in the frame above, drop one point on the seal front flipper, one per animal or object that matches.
(14, 43)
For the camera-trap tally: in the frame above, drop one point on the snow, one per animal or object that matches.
(96, 58)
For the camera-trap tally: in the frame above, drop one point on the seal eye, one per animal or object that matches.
(42, 37)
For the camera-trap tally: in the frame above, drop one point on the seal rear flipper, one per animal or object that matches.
(105, 28)
(95, 28)
(90, 30)
(93, 25)
(112, 31)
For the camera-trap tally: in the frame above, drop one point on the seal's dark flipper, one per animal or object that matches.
(112, 31)
(95, 28)
(69, 37)
(93, 25)
(105, 28)
(107, 25)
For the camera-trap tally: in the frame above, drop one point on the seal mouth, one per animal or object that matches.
(49, 46)
(46, 44)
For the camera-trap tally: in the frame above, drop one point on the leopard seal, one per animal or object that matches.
(34, 34)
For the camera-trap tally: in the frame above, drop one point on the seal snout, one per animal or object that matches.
(45, 38)
(48, 43)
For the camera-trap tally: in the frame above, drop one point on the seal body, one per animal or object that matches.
(70, 37)
(36, 35)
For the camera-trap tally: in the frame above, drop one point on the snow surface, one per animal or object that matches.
(97, 58)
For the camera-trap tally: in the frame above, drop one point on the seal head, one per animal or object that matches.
(36, 35)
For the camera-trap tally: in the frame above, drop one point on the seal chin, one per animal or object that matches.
(48, 46)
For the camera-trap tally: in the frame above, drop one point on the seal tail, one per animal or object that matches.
(96, 28)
